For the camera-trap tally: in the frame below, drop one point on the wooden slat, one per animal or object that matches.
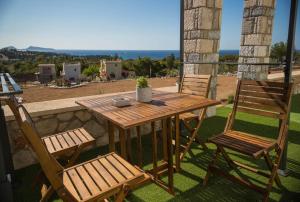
(68, 139)
(86, 134)
(192, 92)
(132, 169)
(49, 145)
(195, 88)
(80, 136)
(195, 84)
(62, 142)
(16, 87)
(4, 85)
(122, 169)
(263, 83)
(262, 95)
(263, 89)
(259, 112)
(69, 185)
(79, 184)
(74, 137)
(264, 101)
(263, 107)
(114, 172)
(90, 184)
(102, 184)
(55, 143)
(111, 181)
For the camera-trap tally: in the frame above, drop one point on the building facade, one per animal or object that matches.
(46, 73)
(72, 72)
(111, 69)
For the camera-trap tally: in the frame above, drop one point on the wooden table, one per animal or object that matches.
(163, 107)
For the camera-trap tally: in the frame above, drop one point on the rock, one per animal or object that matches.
(23, 158)
(62, 126)
(48, 116)
(65, 116)
(46, 126)
(74, 124)
(94, 128)
(83, 115)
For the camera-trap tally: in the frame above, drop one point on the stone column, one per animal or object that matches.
(202, 24)
(256, 38)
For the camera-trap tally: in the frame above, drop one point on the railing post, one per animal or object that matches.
(288, 70)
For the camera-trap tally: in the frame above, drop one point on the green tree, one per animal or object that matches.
(278, 51)
(91, 71)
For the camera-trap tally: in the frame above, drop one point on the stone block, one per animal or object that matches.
(190, 46)
(248, 26)
(218, 3)
(83, 115)
(46, 126)
(261, 51)
(65, 116)
(214, 35)
(189, 18)
(204, 46)
(261, 24)
(267, 3)
(205, 18)
(94, 128)
(74, 124)
(217, 20)
(62, 126)
(23, 158)
(257, 39)
(247, 51)
(198, 3)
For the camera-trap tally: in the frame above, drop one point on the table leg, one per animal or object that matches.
(154, 149)
(139, 146)
(164, 139)
(111, 136)
(122, 143)
(128, 146)
(177, 143)
(170, 156)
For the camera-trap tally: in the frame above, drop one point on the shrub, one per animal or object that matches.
(230, 99)
(142, 82)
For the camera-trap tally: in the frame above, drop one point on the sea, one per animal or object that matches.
(134, 54)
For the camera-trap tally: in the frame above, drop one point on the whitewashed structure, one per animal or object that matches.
(71, 72)
(111, 69)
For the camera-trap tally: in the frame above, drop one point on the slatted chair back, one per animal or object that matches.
(49, 164)
(263, 98)
(195, 84)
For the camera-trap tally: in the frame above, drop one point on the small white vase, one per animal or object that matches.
(144, 94)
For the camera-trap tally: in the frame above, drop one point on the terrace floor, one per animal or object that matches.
(188, 183)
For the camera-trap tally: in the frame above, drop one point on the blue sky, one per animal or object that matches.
(115, 24)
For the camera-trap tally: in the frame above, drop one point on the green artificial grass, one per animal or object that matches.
(188, 183)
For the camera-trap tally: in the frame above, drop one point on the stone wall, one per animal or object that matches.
(202, 24)
(55, 116)
(256, 38)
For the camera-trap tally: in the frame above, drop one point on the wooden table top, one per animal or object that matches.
(163, 105)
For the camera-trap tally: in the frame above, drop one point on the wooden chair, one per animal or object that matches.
(94, 180)
(195, 85)
(66, 145)
(269, 99)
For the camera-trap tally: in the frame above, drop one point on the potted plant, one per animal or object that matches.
(143, 90)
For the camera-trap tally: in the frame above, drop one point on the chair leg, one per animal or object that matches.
(122, 193)
(74, 156)
(46, 193)
(212, 163)
(270, 166)
(229, 161)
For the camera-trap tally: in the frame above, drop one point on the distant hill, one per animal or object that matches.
(40, 49)
(9, 48)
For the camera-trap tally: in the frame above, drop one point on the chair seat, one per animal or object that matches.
(65, 142)
(101, 177)
(243, 142)
(188, 116)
